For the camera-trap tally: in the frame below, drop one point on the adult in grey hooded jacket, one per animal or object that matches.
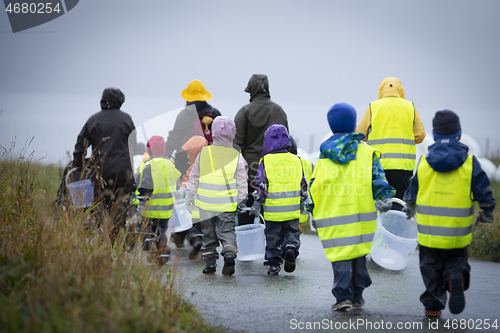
(252, 121)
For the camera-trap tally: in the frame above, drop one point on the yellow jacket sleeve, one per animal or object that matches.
(365, 123)
(418, 128)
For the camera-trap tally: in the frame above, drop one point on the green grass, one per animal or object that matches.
(54, 279)
(485, 243)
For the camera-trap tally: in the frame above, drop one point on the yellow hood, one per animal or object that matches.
(391, 87)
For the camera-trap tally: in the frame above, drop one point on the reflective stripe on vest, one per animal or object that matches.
(164, 175)
(307, 166)
(392, 133)
(217, 190)
(284, 175)
(344, 209)
(445, 209)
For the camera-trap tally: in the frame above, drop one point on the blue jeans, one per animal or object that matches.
(281, 236)
(350, 278)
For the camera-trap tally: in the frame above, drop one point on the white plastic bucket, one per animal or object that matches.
(82, 193)
(181, 219)
(251, 241)
(395, 239)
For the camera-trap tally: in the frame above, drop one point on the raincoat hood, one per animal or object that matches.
(193, 147)
(276, 140)
(341, 148)
(258, 85)
(156, 146)
(447, 155)
(112, 98)
(391, 87)
(223, 131)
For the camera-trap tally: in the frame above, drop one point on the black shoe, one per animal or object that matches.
(358, 302)
(195, 252)
(229, 263)
(289, 259)
(457, 298)
(163, 259)
(209, 269)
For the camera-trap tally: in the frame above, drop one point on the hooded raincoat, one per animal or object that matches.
(253, 120)
(108, 132)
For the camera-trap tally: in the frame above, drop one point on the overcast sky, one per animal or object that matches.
(315, 53)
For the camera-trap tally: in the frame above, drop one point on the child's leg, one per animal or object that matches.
(291, 236)
(432, 269)
(225, 224)
(456, 277)
(273, 243)
(163, 249)
(342, 286)
(360, 277)
(210, 242)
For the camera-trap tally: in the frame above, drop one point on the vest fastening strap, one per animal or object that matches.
(340, 220)
(347, 241)
(444, 231)
(395, 141)
(445, 211)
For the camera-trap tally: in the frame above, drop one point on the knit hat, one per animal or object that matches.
(342, 118)
(446, 123)
(196, 92)
(156, 146)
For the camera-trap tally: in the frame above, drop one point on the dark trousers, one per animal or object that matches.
(281, 236)
(156, 232)
(400, 180)
(246, 217)
(350, 278)
(436, 266)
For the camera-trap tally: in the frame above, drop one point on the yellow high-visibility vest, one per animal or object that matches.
(392, 133)
(217, 190)
(284, 174)
(164, 176)
(307, 166)
(344, 209)
(445, 206)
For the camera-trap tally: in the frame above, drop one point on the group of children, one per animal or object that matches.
(347, 188)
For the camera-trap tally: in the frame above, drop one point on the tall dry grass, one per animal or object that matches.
(55, 277)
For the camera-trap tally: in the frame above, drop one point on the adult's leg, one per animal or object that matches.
(400, 180)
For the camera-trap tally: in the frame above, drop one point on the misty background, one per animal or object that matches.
(315, 53)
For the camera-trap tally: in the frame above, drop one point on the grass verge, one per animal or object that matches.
(55, 278)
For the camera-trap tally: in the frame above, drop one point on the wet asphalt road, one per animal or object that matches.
(252, 301)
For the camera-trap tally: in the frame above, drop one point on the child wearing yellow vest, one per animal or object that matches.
(280, 190)
(442, 193)
(159, 180)
(219, 181)
(348, 186)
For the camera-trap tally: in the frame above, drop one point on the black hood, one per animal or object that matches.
(112, 98)
(258, 85)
